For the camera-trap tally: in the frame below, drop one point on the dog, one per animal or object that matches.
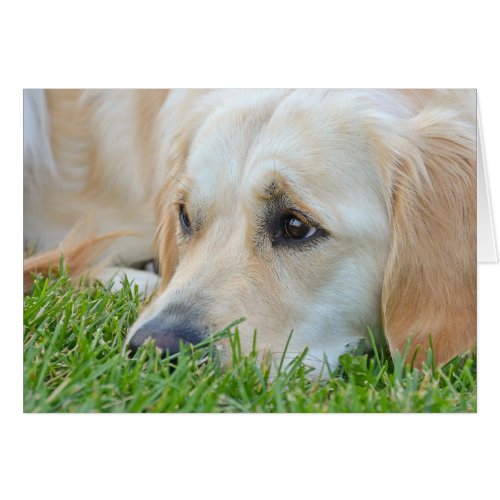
(322, 212)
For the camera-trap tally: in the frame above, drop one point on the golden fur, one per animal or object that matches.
(388, 176)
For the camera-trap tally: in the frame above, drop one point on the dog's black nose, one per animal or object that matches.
(166, 338)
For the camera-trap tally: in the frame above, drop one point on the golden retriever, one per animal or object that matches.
(325, 212)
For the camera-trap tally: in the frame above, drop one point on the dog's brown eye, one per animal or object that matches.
(297, 229)
(184, 218)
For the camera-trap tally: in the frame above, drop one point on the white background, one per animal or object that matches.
(254, 44)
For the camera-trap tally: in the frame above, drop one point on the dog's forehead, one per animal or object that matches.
(304, 136)
(242, 130)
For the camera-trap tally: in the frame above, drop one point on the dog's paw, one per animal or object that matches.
(146, 281)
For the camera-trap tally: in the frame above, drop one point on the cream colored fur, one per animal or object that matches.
(390, 176)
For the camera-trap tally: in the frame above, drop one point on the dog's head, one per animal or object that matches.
(321, 212)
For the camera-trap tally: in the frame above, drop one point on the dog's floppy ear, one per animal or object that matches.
(166, 240)
(179, 120)
(429, 286)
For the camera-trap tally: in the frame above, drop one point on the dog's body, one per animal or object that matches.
(321, 212)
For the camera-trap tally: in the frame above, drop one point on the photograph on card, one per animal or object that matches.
(250, 250)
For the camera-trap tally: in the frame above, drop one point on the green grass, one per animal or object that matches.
(73, 362)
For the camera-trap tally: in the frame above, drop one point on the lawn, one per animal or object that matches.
(73, 362)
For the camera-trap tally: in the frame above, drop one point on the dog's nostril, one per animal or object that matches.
(167, 340)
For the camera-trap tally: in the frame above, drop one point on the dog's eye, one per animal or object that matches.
(184, 218)
(297, 229)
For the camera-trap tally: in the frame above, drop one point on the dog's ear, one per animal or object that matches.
(179, 119)
(429, 286)
(166, 239)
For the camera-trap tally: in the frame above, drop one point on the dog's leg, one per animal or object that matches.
(146, 281)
